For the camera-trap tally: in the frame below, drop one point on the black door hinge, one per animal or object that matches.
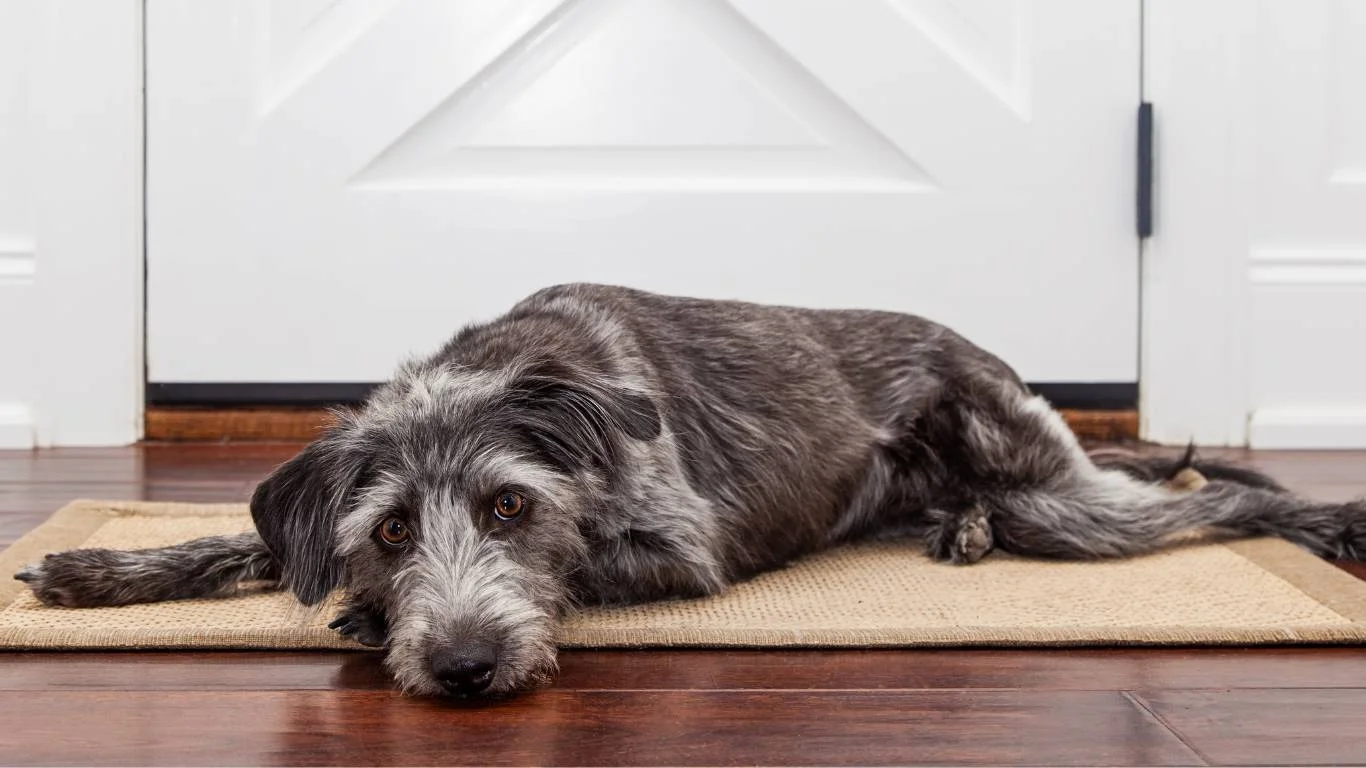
(1145, 169)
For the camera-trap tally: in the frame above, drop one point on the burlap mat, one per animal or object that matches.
(1263, 591)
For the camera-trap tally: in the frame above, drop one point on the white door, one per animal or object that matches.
(334, 185)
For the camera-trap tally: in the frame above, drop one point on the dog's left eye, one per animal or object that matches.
(394, 532)
(508, 505)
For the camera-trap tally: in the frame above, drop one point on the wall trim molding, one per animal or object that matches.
(16, 425)
(1328, 427)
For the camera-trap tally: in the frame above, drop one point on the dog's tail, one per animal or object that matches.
(215, 566)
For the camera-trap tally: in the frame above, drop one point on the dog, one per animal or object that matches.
(603, 445)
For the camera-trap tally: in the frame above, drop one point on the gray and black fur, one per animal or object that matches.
(668, 447)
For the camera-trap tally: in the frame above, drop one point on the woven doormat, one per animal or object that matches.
(1249, 592)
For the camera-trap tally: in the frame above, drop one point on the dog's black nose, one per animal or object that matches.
(466, 669)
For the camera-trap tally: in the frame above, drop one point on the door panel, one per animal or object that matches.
(332, 186)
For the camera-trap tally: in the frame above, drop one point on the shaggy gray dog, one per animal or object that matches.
(605, 445)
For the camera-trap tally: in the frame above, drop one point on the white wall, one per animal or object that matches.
(70, 222)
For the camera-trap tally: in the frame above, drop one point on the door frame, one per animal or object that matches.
(84, 258)
(91, 216)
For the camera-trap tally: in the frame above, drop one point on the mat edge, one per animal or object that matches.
(78, 520)
(1316, 578)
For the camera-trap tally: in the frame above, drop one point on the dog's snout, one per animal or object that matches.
(465, 669)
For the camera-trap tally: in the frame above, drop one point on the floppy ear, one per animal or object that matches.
(296, 509)
(580, 422)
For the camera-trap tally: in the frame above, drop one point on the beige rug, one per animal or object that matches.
(1263, 591)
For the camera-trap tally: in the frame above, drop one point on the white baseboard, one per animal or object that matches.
(16, 426)
(1308, 428)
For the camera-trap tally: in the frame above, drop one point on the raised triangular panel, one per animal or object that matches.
(638, 79)
(643, 93)
(304, 35)
(989, 39)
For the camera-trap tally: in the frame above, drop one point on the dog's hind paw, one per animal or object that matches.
(974, 539)
(364, 625)
(962, 538)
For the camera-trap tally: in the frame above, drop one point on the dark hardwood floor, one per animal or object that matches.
(1175, 706)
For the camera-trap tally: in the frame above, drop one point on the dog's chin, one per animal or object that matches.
(504, 686)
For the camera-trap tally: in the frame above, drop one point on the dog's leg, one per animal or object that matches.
(1045, 497)
(962, 536)
(210, 567)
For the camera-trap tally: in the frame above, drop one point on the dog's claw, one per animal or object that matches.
(363, 625)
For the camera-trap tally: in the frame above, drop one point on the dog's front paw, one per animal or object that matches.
(74, 579)
(365, 625)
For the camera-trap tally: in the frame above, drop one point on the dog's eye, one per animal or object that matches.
(508, 505)
(394, 532)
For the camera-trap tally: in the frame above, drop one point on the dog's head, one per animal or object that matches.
(454, 505)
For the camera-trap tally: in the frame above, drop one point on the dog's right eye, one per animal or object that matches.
(509, 506)
(393, 532)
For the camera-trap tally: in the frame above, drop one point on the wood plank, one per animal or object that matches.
(194, 671)
(146, 462)
(1040, 669)
(1267, 727)
(584, 728)
(775, 669)
(185, 424)
(51, 497)
(15, 524)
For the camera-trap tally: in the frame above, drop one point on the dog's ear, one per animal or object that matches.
(296, 509)
(581, 422)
